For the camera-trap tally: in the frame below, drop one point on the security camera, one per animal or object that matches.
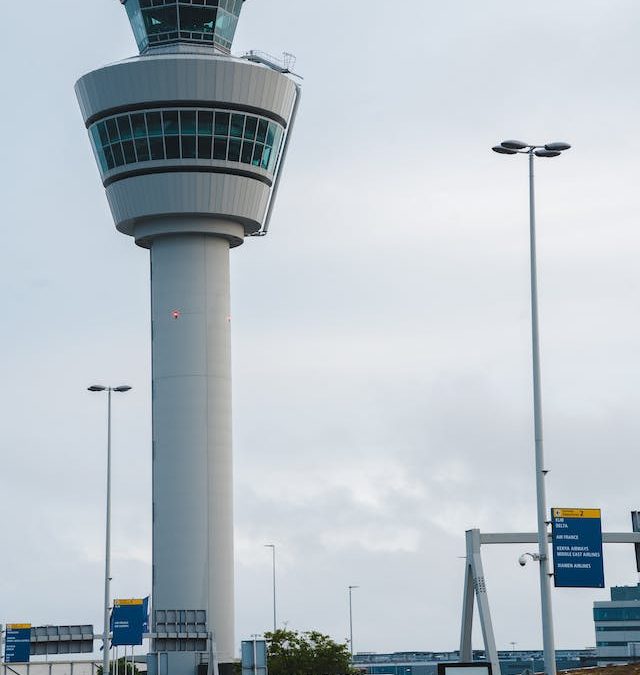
(522, 560)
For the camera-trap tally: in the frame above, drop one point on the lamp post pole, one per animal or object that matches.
(107, 548)
(351, 620)
(548, 150)
(541, 492)
(273, 570)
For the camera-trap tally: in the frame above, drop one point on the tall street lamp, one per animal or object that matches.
(273, 553)
(351, 620)
(107, 554)
(533, 151)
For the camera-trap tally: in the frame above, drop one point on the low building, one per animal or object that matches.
(617, 623)
(512, 662)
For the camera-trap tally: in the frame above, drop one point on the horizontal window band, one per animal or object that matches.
(186, 169)
(237, 138)
(171, 105)
(618, 628)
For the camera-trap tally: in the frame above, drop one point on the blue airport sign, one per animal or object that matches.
(577, 548)
(129, 621)
(17, 643)
(254, 657)
(145, 615)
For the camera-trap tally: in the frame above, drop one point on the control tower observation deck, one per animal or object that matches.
(189, 142)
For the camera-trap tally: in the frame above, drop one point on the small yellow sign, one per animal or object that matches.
(577, 513)
(18, 626)
(128, 601)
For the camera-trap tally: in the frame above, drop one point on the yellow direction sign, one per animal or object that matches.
(577, 513)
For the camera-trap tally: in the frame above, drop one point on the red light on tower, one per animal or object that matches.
(176, 314)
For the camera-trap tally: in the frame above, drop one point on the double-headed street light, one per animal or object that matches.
(107, 553)
(515, 147)
(533, 151)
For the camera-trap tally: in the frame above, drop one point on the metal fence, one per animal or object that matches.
(50, 668)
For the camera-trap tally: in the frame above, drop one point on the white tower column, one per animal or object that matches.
(192, 449)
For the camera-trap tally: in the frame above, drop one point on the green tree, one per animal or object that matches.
(309, 653)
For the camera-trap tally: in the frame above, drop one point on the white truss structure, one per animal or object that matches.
(475, 586)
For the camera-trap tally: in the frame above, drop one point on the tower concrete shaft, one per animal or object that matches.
(192, 462)
(189, 142)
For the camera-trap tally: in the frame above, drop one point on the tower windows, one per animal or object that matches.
(205, 123)
(187, 134)
(197, 19)
(237, 125)
(158, 22)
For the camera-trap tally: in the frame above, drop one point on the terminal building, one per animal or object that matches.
(512, 662)
(617, 630)
(617, 623)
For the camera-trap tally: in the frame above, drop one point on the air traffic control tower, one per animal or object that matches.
(189, 141)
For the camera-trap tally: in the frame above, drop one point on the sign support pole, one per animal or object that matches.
(466, 650)
(474, 581)
(635, 522)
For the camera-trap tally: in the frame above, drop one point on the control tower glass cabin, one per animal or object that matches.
(189, 142)
(158, 23)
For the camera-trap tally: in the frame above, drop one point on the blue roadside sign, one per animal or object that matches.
(577, 548)
(128, 621)
(17, 643)
(145, 614)
(254, 657)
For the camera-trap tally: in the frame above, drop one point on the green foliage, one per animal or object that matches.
(130, 668)
(308, 653)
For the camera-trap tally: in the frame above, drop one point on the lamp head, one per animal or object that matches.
(122, 388)
(558, 146)
(96, 387)
(547, 153)
(504, 151)
(160, 25)
(515, 145)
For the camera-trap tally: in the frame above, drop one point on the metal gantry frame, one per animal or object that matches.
(475, 586)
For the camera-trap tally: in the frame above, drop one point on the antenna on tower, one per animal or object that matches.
(284, 65)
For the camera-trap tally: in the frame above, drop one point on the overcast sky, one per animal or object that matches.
(381, 332)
